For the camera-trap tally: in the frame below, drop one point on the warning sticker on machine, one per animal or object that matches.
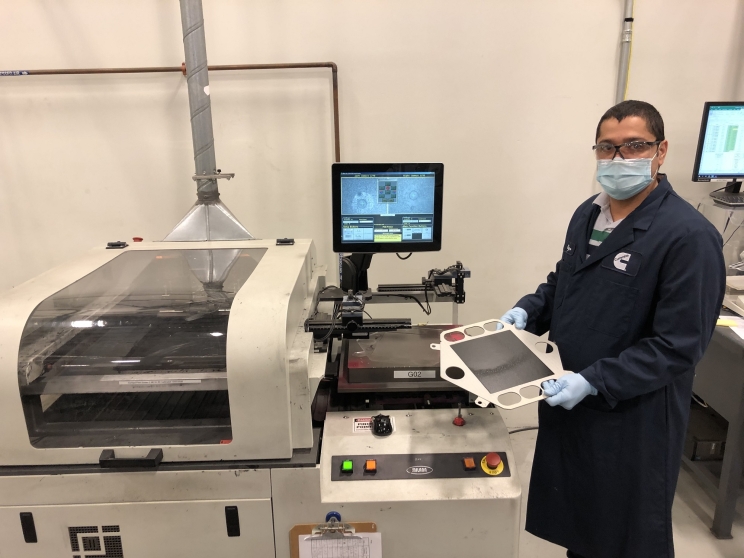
(364, 424)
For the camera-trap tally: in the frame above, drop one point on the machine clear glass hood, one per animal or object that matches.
(134, 353)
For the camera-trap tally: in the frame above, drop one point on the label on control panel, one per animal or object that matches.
(364, 424)
(414, 374)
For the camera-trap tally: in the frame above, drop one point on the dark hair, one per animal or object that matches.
(648, 112)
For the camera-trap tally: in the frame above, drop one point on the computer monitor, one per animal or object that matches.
(387, 207)
(720, 149)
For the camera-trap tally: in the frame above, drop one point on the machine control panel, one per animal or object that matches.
(419, 466)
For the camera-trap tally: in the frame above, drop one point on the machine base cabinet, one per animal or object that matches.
(445, 528)
(468, 513)
(452, 499)
(139, 530)
(157, 514)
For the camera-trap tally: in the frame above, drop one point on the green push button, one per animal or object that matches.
(347, 466)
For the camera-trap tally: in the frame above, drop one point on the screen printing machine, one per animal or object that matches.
(210, 394)
(218, 398)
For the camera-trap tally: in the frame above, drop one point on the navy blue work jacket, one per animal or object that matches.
(634, 320)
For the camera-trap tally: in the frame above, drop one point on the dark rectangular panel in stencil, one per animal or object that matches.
(501, 361)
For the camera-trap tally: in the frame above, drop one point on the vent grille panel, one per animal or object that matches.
(93, 543)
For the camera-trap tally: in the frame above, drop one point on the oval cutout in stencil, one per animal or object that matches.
(453, 336)
(492, 326)
(474, 331)
(455, 373)
(510, 398)
(530, 392)
(543, 347)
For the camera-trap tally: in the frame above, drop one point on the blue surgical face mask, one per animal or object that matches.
(624, 178)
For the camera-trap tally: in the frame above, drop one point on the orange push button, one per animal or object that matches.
(468, 463)
(370, 466)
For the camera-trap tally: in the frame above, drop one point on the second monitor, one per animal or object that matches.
(387, 207)
(720, 150)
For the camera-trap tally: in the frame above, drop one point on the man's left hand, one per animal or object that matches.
(567, 391)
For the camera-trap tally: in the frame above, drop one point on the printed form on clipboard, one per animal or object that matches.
(359, 545)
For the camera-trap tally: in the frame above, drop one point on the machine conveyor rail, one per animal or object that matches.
(320, 328)
(129, 381)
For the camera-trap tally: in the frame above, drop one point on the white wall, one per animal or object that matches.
(507, 94)
(687, 52)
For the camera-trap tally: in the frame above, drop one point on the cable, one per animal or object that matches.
(402, 258)
(370, 317)
(416, 300)
(317, 302)
(333, 324)
(525, 429)
(732, 234)
(728, 220)
(441, 271)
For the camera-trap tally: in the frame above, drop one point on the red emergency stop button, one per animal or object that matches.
(492, 464)
(493, 460)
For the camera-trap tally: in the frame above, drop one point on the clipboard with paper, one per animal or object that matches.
(334, 539)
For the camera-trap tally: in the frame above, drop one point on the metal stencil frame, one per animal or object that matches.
(465, 378)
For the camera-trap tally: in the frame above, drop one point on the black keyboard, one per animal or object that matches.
(727, 198)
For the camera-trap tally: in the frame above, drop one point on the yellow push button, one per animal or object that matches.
(370, 466)
(468, 463)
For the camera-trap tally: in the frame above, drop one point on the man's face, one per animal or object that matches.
(633, 128)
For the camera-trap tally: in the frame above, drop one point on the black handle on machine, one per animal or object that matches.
(108, 460)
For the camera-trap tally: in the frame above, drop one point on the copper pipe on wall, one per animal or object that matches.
(218, 68)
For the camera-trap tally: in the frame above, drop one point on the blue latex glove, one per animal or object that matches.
(567, 391)
(516, 317)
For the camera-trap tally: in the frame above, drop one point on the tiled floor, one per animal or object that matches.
(692, 513)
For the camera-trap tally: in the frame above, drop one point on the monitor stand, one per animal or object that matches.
(733, 187)
(354, 272)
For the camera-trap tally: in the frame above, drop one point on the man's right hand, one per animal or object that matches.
(516, 317)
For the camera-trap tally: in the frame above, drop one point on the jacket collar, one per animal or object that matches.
(641, 219)
(644, 214)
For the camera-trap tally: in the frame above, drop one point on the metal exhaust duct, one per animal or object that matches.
(209, 218)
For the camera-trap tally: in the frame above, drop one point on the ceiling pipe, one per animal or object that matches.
(626, 42)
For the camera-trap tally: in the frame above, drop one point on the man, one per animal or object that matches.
(631, 306)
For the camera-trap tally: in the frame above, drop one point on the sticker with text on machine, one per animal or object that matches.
(364, 424)
(414, 374)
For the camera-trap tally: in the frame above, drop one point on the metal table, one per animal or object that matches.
(719, 381)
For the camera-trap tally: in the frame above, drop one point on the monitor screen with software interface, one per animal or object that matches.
(383, 207)
(720, 150)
